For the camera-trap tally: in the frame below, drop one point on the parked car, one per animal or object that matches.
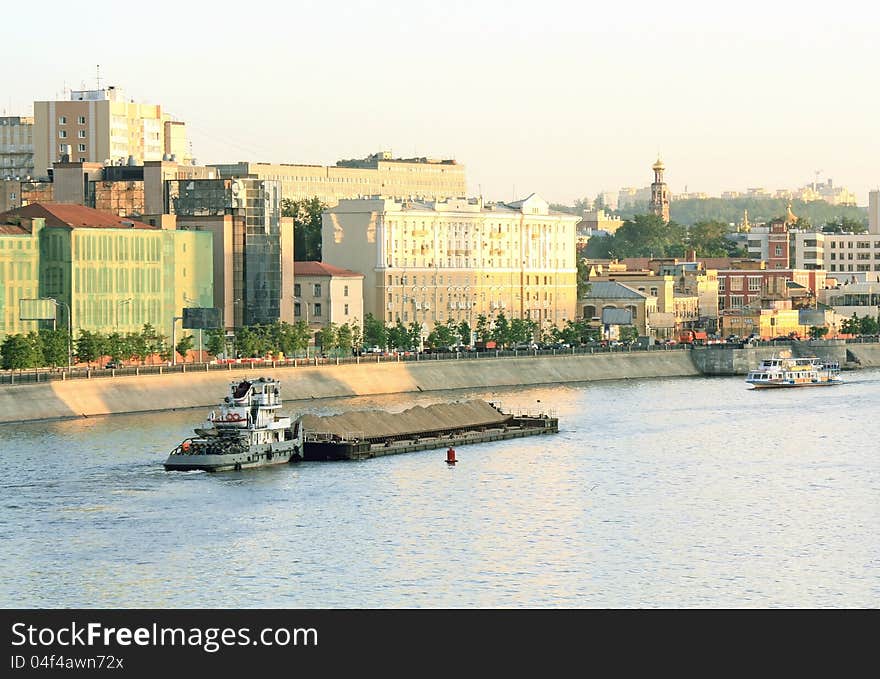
(113, 365)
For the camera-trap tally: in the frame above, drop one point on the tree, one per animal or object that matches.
(501, 330)
(398, 336)
(845, 224)
(307, 221)
(374, 332)
(164, 348)
(357, 339)
(818, 332)
(414, 331)
(53, 344)
(344, 339)
(136, 343)
(89, 346)
(583, 277)
(328, 337)
(302, 334)
(19, 352)
(708, 238)
(215, 341)
(184, 344)
(483, 331)
(151, 340)
(464, 332)
(441, 336)
(116, 346)
(629, 333)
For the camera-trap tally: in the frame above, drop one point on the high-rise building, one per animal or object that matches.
(376, 175)
(434, 261)
(253, 244)
(100, 126)
(874, 211)
(659, 192)
(16, 147)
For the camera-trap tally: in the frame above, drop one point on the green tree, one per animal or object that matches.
(19, 352)
(398, 336)
(215, 341)
(629, 333)
(90, 346)
(344, 339)
(54, 347)
(247, 342)
(116, 347)
(136, 346)
(708, 239)
(150, 339)
(583, 278)
(307, 220)
(328, 337)
(441, 336)
(483, 330)
(357, 339)
(851, 326)
(818, 331)
(464, 332)
(868, 325)
(501, 330)
(414, 331)
(184, 344)
(164, 348)
(845, 224)
(374, 332)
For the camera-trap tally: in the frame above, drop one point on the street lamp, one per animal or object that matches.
(69, 328)
(127, 300)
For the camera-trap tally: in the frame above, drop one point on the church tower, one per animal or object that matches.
(659, 193)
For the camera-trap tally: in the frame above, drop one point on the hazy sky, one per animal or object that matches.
(562, 98)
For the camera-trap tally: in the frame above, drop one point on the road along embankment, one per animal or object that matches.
(85, 398)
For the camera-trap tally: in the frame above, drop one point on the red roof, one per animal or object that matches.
(322, 269)
(12, 229)
(74, 217)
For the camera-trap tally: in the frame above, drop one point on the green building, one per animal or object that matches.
(19, 274)
(116, 274)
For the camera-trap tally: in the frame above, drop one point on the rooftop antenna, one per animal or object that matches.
(98, 72)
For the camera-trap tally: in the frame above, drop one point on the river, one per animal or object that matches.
(685, 492)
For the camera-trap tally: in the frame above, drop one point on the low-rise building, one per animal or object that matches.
(324, 294)
(604, 295)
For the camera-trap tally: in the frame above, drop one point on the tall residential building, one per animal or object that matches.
(16, 147)
(432, 261)
(376, 175)
(115, 274)
(253, 244)
(100, 126)
(659, 192)
(17, 192)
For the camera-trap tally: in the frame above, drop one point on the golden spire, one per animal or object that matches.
(790, 217)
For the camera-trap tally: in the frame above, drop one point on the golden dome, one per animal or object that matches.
(658, 165)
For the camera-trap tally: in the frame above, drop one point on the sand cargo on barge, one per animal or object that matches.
(364, 434)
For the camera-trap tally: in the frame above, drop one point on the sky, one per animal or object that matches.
(565, 99)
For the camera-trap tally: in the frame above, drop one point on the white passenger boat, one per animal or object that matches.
(245, 432)
(784, 371)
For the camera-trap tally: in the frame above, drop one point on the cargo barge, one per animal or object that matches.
(366, 434)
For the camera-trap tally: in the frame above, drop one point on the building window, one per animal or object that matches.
(345, 294)
(779, 251)
(81, 120)
(81, 148)
(296, 290)
(317, 289)
(62, 120)
(60, 148)
(82, 160)
(317, 310)
(62, 134)
(754, 283)
(297, 312)
(81, 134)
(346, 310)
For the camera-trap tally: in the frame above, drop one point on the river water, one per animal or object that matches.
(685, 492)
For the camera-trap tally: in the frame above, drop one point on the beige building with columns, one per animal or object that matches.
(431, 261)
(100, 126)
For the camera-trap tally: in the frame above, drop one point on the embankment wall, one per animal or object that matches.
(77, 398)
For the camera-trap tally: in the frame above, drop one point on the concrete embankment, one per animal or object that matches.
(721, 360)
(76, 398)
(864, 355)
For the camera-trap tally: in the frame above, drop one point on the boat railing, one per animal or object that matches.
(530, 411)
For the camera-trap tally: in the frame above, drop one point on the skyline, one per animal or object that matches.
(565, 103)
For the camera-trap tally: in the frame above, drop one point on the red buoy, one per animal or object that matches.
(450, 456)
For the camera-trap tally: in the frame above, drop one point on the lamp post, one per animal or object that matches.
(127, 300)
(69, 329)
(187, 300)
(174, 339)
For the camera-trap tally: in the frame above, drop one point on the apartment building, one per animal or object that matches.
(100, 126)
(431, 261)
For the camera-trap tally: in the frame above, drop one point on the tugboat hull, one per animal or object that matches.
(276, 454)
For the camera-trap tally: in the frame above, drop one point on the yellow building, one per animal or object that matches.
(778, 319)
(376, 175)
(431, 261)
(19, 272)
(115, 274)
(100, 126)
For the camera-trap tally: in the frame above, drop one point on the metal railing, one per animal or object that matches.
(34, 376)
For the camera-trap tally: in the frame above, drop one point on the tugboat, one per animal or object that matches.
(246, 432)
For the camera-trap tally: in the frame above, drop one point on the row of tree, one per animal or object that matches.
(866, 325)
